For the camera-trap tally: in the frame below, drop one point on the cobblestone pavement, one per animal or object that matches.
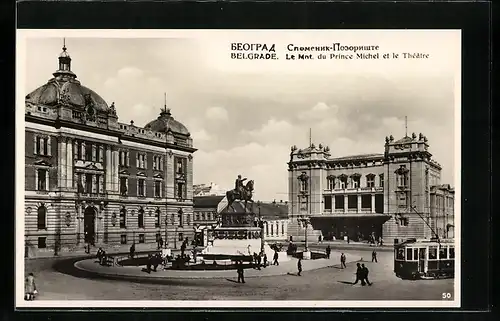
(330, 283)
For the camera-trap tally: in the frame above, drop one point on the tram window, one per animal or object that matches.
(415, 254)
(409, 254)
(452, 252)
(443, 253)
(432, 253)
(400, 255)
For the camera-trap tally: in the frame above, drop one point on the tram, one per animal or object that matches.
(425, 259)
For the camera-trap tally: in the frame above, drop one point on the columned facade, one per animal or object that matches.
(364, 197)
(77, 188)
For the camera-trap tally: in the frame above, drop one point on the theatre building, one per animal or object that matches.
(90, 179)
(385, 195)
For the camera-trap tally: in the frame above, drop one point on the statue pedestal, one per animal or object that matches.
(306, 255)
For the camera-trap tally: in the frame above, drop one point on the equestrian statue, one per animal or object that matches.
(241, 192)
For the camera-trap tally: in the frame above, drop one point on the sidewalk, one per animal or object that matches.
(343, 245)
(136, 273)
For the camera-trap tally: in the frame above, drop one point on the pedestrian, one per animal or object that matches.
(328, 251)
(240, 270)
(299, 266)
(342, 261)
(374, 256)
(259, 261)
(265, 259)
(275, 258)
(132, 250)
(99, 255)
(148, 266)
(359, 275)
(348, 239)
(365, 274)
(30, 288)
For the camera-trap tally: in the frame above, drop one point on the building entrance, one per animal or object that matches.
(89, 225)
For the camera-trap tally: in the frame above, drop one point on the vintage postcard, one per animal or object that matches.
(238, 168)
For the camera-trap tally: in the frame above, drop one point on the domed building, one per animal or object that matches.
(90, 179)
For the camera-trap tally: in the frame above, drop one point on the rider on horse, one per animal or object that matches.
(239, 187)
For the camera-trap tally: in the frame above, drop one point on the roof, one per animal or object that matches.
(165, 122)
(207, 201)
(69, 91)
(267, 210)
(404, 140)
(358, 157)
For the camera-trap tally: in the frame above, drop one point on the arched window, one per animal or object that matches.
(157, 218)
(42, 217)
(123, 215)
(140, 218)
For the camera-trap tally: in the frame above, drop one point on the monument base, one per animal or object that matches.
(306, 255)
(241, 247)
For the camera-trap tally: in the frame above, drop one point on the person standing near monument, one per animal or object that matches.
(240, 270)
(299, 266)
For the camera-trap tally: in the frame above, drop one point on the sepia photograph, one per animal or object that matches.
(238, 168)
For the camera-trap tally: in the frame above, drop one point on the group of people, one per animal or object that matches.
(102, 256)
(362, 275)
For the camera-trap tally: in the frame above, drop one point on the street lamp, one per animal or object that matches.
(261, 225)
(306, 254)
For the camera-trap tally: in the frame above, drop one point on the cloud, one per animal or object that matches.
(216, 113)
(201, 135)
(265, 164)
(319, 111)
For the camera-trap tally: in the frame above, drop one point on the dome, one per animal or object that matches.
(166, 122)
(65, 89)
(69, 92)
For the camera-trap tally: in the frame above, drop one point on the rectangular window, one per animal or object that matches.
(343, 183)
(123, 239)
(203, 216)
(141, 238)
(188, 219)
(157, 188)
(42, 242)
(381, 180)
(197, 217)
(328, 202)
(409, 254)
(370, 181)
(339, 202)
(42, 179)
(157, 237)
(282, 228)
(432, 253)
(88, 183)
(443, 253)
(140, 187)
(181, 237)
(303, 186)
(366, 201)
(352, 201)
(180, 190)
(452, 252)
(355, 181)
(124, 158)
(331, 183)
(179, 166)
(179, 216)
(123, 186)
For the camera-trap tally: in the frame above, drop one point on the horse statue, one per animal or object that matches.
(244, 195)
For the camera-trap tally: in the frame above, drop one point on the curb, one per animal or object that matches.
(154, 279)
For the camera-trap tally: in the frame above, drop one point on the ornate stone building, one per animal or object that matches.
(383, 195)
(91, 179)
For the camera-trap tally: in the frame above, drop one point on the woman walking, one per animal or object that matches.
(30, 287)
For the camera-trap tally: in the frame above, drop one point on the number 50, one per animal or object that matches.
(446, 295)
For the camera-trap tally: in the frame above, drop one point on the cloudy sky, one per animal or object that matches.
(244, 116)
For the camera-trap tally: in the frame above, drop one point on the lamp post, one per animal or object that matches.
(306, 254)
(261, 225)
